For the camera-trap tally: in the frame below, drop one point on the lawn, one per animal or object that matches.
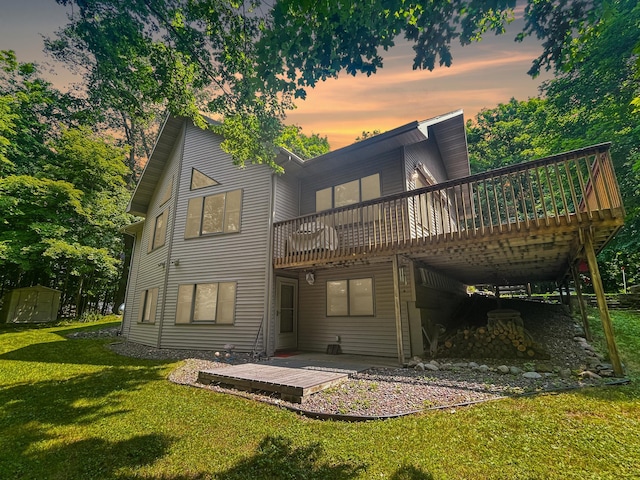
(72, 409)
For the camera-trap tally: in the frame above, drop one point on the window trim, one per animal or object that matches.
(349, 298)
(202, 200)
(192, 305)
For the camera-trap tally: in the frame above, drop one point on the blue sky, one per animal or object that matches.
(482, 75)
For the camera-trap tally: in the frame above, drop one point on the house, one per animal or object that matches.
(368, 248)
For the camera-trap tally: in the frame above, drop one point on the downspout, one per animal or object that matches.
(168, 264)
(126, 295)
(266, 318)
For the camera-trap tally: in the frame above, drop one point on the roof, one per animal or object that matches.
(165, 143)
(448, 131)
(39, 288)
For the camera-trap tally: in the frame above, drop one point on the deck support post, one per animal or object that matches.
(605, 318)
(396, 303)
(562, 299)
(569, 302)
(581, 304)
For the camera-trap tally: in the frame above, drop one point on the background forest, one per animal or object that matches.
(69, 161)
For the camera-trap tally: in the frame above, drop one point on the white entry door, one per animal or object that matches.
(286, 313)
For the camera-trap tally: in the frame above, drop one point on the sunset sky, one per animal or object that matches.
(482, 75)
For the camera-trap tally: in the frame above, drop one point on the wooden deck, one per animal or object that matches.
(292, 384)
(508, 226)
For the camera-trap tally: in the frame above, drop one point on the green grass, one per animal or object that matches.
(72, 409)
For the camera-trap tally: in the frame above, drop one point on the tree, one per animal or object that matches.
(367, 134)
(245, 62)
(589, 101)
(511, 133)
(302, 145)
(63, 192)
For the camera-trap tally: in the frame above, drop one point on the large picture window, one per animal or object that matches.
(148, 303)
(206, 303)
(359, 190)
(352, 297)
(159, 231)
(219, 213)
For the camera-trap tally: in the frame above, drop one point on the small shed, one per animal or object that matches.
(30, 304)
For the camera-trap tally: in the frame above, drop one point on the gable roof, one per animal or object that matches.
(169, 133)
(447, 130)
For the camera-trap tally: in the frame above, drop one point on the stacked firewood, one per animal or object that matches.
(503, 337)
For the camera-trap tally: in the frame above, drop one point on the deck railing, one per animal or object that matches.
(567, 189)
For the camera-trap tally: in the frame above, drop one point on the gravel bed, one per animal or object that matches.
(382, 392)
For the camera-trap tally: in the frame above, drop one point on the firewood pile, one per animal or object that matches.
(504, 336)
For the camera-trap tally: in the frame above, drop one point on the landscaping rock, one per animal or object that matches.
(414, 361)
(472, 365)
(483, 369)
(593, 361)
(515, 370)
(420, 366)
(565, 373)
(591, 375)
(430, 366)
(503, 369)
(544, 368)
(532, 375)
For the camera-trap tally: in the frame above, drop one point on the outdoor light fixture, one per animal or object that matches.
(311, 278)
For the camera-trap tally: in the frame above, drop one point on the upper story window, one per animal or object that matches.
(159, 232)
(219, 213)
(200, 180)
(355, 191)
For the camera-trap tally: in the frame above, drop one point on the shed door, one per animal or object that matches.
(26, 306)
(286, 313)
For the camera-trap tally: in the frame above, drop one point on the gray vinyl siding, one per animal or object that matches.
(287, 198)
(428, 153)
(234, 257)
(151, 268)
(359, 335)
(389, 166)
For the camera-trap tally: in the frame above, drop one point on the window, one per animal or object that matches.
(352, 297)
(200, 180)
(206, 303)
(360, 190)
(159, 231)
(218, 213)
(149, 301)
(433, 209)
